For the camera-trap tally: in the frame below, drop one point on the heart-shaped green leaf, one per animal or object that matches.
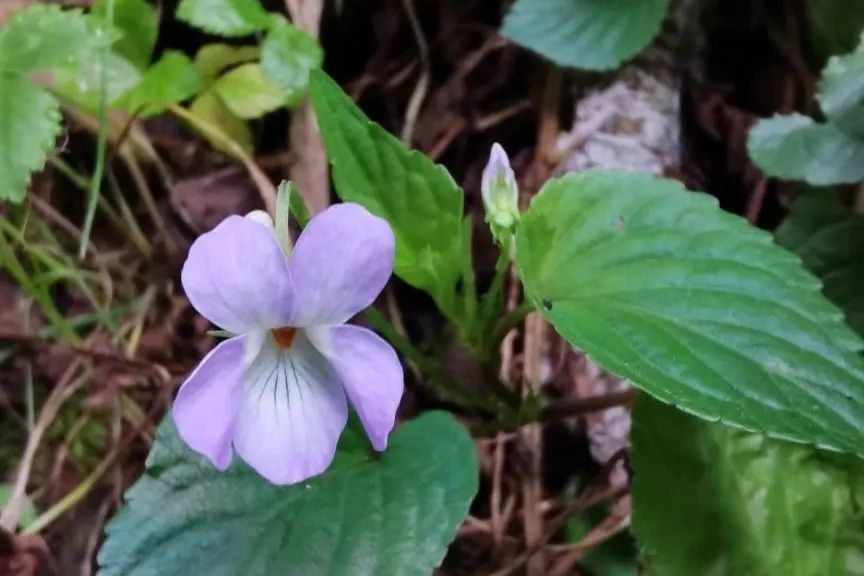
(392, 514)
(693, 305)
(709, 499)
(829, 238)
(795, 147)
(589, 34)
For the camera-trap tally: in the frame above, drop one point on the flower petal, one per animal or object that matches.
(370, 372)
(206, 405)
(237, 277)
(293, 411)
(340, 264)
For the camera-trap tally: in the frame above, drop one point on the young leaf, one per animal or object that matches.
(31, 122)
(287, 57)
(841, 91)
(172, 79)
(45, 37)
(248, 93)
(138, 24)
(589, 34)
(829, 238)
(212, 59)
(709, 499)
(795, 147)
(209, 108)
(418, 198)
(392, 514)
(229, 18)
(693, 305)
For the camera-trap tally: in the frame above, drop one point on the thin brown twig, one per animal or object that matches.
(422, 86)
(578, 406)
(63, 390)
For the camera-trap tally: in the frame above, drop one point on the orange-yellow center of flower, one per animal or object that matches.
(284, 337)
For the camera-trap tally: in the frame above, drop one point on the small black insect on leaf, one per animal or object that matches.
(547, 304)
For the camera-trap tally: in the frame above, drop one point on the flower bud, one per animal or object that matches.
(500, 192)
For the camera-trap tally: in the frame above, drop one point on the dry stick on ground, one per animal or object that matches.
(259, 178)
(422, 85)
(65, 388)
(309, 170)
(535, 337)
(589, 498)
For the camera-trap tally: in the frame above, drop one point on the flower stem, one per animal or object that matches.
(435, 377)
(510, 321)
(101, 140)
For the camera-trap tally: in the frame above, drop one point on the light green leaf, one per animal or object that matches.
(287, 57)
(417, 197)
(30, 124)
(81, 85)
(172, 79)
(248, 93)
(794, 147)
(28, 510)
(210, 109)
(229, 18)
(138, 24)
(829, 238)
(693, 305)
(712, 500)
(841, 91)
(212, 59)
(387, 515)
(589, 34)
(45, 37)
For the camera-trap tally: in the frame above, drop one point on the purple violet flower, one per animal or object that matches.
(278, 391)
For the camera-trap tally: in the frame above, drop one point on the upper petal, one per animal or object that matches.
(293, 411)
(237, 277)
(340, 264)
(206, 406)
(370, 372)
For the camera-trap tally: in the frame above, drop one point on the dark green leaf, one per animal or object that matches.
(841, 91)
(795, 147)
(418, 198)
(392, 514)
(829, 238)
(709, 499)
(834, 26)
(693, 305)
(589, 34)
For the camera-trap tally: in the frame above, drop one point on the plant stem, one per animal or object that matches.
(510, 321)
(578, 406)
(450, 389)
(101, 142)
